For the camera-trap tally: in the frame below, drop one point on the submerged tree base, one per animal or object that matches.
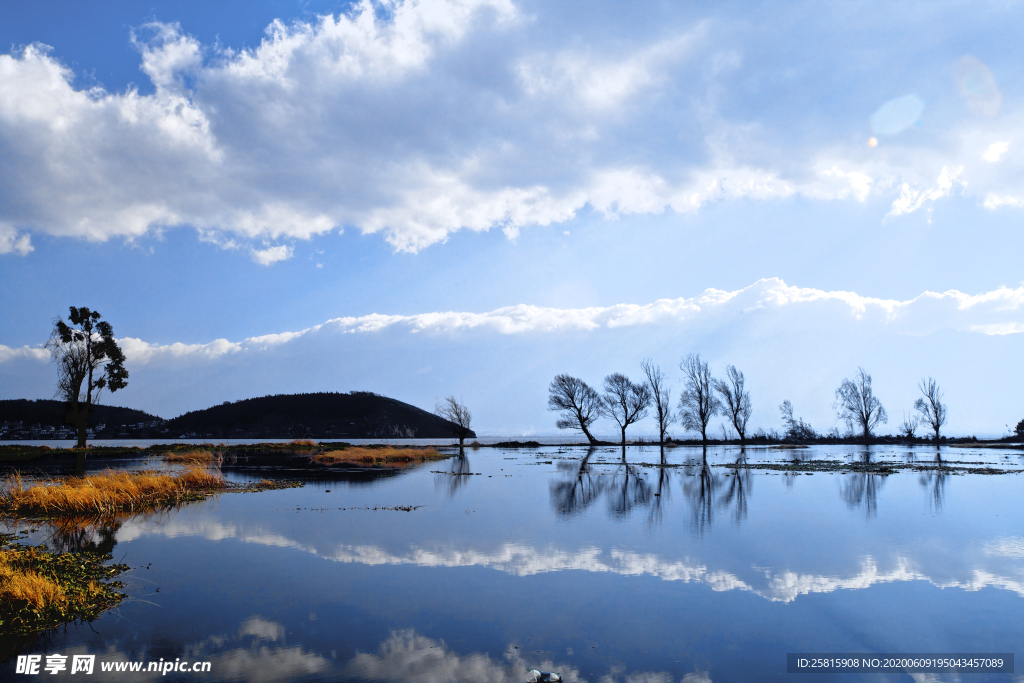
(40, 589)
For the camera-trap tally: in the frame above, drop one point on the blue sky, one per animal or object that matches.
(516, 186)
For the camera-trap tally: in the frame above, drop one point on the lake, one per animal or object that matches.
(574, 561)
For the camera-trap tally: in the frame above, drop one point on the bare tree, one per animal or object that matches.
(856, 404)
(698, 403)
(909, 425)
(578, 404)
(661, 396)
(88, 361)
(931, 407)
(624, 401)
(796, 428)
(457, 415)
(735, 401)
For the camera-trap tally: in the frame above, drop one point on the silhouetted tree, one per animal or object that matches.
(796, 428)
(624, 401)
(661, 395)
(931, 407)
(909, 425)
(88, 361)
(856, 404)
(698, 403)
(578, 404)
(735, 401)
(457, 415)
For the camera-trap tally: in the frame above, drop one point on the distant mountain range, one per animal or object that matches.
(355, 415)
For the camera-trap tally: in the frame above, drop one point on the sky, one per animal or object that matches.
(468, 197)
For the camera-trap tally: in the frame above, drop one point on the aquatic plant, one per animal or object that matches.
(39, 589)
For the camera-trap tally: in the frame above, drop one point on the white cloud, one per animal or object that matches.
(998, 312)
(11, 241)
(8, 354)
(912, 199)
(518, 559)
(371, 119)
(996, 151)
(270, 255)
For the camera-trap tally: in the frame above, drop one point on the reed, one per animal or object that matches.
(107, 493)
(378, 457)
(191, 457)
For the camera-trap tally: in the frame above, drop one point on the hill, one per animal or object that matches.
(355, 415)
(27, 419)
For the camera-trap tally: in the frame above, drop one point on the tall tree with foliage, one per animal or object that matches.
(88, 361)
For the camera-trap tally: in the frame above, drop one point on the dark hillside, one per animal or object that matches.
(356, 415)
(49, 412)
(24, 418)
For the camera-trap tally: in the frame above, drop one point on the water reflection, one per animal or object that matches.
(579, 490)
(662, 492)
(934, 483)
(738, 488)
(860, 487)
(456, 476)
(699, 488)
(628, 489)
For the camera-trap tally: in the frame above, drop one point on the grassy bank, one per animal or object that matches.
(107, 493)
(39, 589)
(378, 456)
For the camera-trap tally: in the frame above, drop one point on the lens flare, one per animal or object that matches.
(977, 86)
(897, 115)
(872, 142)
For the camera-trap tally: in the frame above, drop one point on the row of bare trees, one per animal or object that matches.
(626, 402)
(857, 406)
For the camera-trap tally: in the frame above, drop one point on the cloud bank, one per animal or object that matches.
(791, 342)
(372, 119)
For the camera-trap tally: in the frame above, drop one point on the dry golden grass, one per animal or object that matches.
(106, 493)
(191, 456)
(20, 583)
(40, 589)
(378, 457)
(302, 442)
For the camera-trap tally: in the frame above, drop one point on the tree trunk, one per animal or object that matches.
(589, 436)
(81, 436)
(623, 438)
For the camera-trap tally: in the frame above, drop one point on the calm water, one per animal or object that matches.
(601, 570)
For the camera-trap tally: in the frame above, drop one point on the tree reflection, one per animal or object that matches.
(661, 492)
(934, 483)
(738, 488)
(860, 487)
(579, 492)
(699, 487)
(628, 489)
(456, 477)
